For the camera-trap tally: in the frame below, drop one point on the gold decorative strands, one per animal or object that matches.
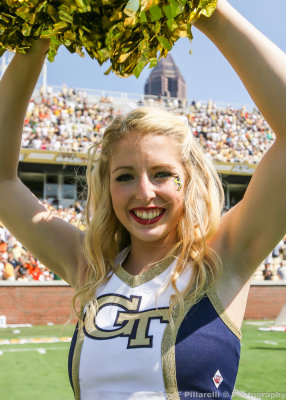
(128, 33)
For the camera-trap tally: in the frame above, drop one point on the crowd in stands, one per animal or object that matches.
(66, 121)
(71, 121)
(16, 263)
(230, 135)
(274, 265)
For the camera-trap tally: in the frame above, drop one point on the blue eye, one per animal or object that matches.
(124, 178)
(163, 174)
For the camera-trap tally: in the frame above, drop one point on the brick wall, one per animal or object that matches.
(36, 304)
(265, 301)
(39, 304)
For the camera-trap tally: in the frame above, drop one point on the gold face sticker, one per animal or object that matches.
(178, 183)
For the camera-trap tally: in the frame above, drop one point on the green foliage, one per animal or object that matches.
(107, 29)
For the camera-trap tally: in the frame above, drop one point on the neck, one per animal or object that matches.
(143, 255)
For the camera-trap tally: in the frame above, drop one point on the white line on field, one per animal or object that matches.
(38, 349)
(259, 323)
(244, 395)
(270, 342)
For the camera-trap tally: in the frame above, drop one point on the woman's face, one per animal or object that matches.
(144, 193)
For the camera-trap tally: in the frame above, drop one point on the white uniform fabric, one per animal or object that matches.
(128, 351)
(114, 368)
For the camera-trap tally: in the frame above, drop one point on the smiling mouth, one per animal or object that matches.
(147, 217)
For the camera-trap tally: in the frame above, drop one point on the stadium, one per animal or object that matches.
(60, 125)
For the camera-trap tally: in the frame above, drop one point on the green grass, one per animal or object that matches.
(29, 375)
(262, 366)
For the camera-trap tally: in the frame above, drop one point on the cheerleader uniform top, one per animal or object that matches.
(129, 353)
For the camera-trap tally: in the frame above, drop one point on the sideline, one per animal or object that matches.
(260, 395)
(243, 395)
(40, 350)
(38, 340)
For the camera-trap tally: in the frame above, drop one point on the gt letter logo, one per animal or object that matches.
(126, 320)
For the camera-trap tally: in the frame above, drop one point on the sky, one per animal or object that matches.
(206, 72)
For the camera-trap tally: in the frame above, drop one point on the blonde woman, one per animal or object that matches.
(161, 277)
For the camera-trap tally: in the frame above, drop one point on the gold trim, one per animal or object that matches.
(168, 352)
(146, 276)
(214, 299)
(76, 361)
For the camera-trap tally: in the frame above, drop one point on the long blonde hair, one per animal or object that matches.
(203, 202)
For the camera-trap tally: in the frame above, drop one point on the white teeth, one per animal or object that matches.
(147, 215)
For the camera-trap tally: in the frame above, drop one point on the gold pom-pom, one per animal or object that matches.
(130, 34)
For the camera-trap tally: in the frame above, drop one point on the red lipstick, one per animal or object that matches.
(146, 209)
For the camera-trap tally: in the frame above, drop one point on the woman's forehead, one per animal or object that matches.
(144, 142)
(145, 148)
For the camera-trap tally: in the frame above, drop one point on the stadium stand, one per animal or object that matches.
(71, 121)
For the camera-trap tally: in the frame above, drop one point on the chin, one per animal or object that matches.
(149, 237)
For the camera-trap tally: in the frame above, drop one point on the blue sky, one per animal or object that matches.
(207, 73)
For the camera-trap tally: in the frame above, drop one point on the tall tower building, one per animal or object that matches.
(166, 80)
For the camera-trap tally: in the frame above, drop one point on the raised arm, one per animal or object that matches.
(57, 244)
(254, 226)
(259, 63)
(16, 88)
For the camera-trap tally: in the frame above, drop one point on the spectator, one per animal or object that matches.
(18, 250)
(73, 121)
(268, 259)
(26, 267)
(281, 271)
(3, 233)
(21, 259)
(22, 273)
(267, 273)
(9, 271)
(284, 249)
(1, 267)
(13, 261)
(276, 250)
(3, 246)
(46, 275)
(33, 268)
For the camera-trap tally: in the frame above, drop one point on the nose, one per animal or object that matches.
(145, 189)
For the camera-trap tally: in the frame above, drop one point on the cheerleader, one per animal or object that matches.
(161, 277)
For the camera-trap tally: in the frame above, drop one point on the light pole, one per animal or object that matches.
(45, 78)
(3, 65)
(6, 58)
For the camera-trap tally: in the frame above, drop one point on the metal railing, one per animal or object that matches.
(121, 99)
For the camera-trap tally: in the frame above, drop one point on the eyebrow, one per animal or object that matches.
(169, 166)
(122, 167)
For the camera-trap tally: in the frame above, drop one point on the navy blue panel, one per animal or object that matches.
(204, 345)
(71, 352)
